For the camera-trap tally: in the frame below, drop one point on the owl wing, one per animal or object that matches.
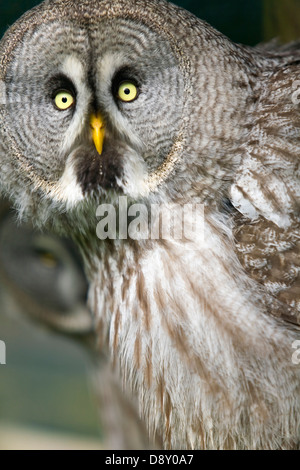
(271, 256)
(266, 193)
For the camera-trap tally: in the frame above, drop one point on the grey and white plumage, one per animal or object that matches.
(200, 331)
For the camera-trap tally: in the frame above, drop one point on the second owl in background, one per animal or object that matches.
(136, 98)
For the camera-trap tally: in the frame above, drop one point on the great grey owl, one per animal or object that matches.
(105, 100)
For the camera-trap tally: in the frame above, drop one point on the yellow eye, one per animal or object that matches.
(127, 91)
(63, 100)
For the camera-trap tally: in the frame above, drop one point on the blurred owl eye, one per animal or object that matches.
(47, 258)
(127, 91)
(63, 100)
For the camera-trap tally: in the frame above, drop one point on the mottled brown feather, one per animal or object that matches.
(270, 254)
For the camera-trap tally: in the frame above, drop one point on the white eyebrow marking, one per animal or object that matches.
(73, 68)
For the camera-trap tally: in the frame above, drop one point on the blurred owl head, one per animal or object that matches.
(106, 97)
(41, 277)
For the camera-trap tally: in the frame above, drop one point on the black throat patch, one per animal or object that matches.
(94, 170)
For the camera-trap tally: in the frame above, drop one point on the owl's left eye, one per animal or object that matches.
(127, 91)
(63, 100)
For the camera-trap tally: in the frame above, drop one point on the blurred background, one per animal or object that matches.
(46, 398)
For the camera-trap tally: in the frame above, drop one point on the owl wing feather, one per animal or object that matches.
(266, 191)
(271, 256)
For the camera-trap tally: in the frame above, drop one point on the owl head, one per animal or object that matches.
(133, 97)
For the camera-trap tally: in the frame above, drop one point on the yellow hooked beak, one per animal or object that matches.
(98, 131)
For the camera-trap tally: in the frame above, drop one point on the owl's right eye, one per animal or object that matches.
(63, 100)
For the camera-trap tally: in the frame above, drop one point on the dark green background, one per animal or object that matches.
(242, 21)
(247, 22)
